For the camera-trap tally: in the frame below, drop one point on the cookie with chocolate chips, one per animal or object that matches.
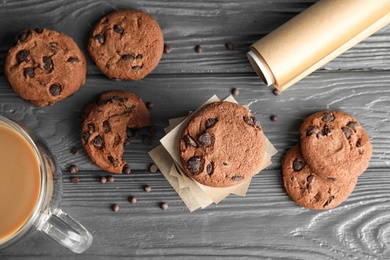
(335, 145)
(45, 66)
(126, 44)
(308, 189)
(103, 132)
(222, 145)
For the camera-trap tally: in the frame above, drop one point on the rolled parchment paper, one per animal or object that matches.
(314, 37)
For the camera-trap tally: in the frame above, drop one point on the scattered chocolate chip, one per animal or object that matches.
(167, 48)
(103, 180)
(274, 118)
(55, 90)
(110, 178)
(205, 139)
(147, 141)
(310, 178)
(118, 29)
(198, 49)
(235, 92)
(195, 164)
(164, 206)
(126, 169)
(252, 121)
(75, 180)
(189, 141)
(73, 59)
(328, 201)
(86, 136)
(298, 165)
(328, 117)
(115, 207)
(98, 142)
(229, 46)
(22, 56)
(106, 126)
(210, 168)
(310, 130)
(29, 73)
(127, 57)
(23, 36)
(73, 169)
(276, 92)
(100, 38)
(136, 68)
(352, 125)
(347, 132)
(327, 130)
(153, 168)
(74, 150)
(149, 105)
(138, 57)
(132, 199)
(210, 122)
(47, 63)
(236, 178)
(113, 161)
(147, 188)
(39, 30)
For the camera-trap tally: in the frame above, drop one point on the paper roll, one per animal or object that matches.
(314, 37)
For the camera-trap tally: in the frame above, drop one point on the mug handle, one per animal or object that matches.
(63, 229)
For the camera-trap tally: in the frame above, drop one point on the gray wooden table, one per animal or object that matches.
(265, 224)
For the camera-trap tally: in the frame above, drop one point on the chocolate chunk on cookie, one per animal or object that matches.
(308, 189)
(126, 44)
(335, 145)
(103, 133)
(45, 66)
(222, 145)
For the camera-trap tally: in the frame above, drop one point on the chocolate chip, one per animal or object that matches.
(47, 63)
(298, 165)
(149, 105)
(189, 141)
(138, 57)
(153, 168)
(252, 121)
(39, 30)
(236, 178)
(331, 179)
(136, 68)
(98, 142)
(205, 139)
(55, 90)
(132, 199)
(352, 125)
(147, 188)
(73, 169)
(198, 49)
(29, 73)
(164, 206)
(106, 126)
(115, 207)
(347, 132)
(274, 118)
(54, 47)
(127, 57)
(73, 59)
(86, 136)
(23, 36)
(110, 178)
(210, 122)
(167, 48)
(276, 92)
(75, 180)
(103, 180)
(22, 56)
(91, 128)
(229, 46)
(126, 169)
(327, 130)
(118, 29)
(358, 145)
(128, 110)
(74, 150)
(113, 161)
(308, 186)
(195, 165)
(328, 117)
(328, 201)
(210, 168)
(310, 130)
(100, 38)
(235, 92)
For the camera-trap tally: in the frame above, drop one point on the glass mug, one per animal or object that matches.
(31, 191)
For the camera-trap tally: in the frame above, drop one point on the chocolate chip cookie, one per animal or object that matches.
(103, 133)
(126, 44)
(335, 145)
(45, 66)
(308, 189)
(222, 145)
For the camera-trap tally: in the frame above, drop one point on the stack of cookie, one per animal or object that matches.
(322, 171)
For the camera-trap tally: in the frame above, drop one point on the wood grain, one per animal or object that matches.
(265, 224)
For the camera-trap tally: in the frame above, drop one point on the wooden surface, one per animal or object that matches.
(265, 224)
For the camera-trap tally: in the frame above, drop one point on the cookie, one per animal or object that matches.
(103, 132)
(222, 145)
(45, 66)
(308, 189)
(335, 145)
(126, 44)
